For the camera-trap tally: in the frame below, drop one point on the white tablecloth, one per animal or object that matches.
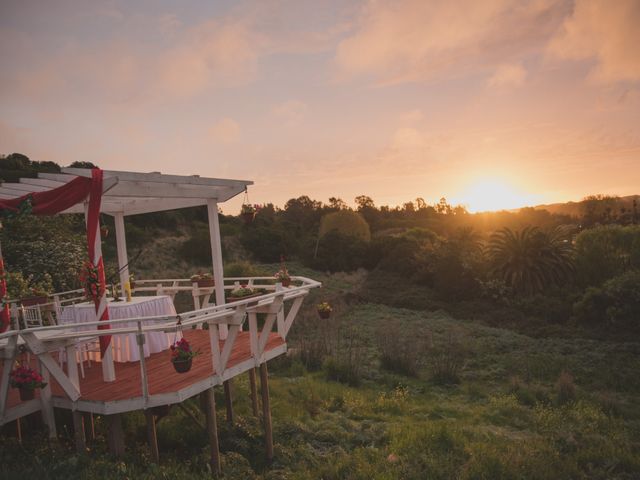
(125, 348)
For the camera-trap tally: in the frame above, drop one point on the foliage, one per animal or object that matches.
(401, 350)
(529, 260)
(338, 253)
(324, 307)
(346, 222)
(447, 358)
(616, 304)
(606, 251)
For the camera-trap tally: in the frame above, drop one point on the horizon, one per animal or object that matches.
(515, 104)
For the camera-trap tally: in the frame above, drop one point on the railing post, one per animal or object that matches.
(140, 340)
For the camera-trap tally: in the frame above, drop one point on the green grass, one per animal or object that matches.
(503, 420)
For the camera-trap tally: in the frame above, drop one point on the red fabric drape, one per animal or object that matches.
(59, 199)
(52, 201)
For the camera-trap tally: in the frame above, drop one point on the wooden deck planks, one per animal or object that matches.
(162, 378)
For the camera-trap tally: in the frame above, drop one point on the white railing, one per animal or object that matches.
(42, 341)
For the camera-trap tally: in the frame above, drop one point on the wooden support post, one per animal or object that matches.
(254, 392)
(212, 429)
(78, 432)
(19, 430)
(116, 435)
(266, 411)
(152, 436)
(228, 399)
(89, 426)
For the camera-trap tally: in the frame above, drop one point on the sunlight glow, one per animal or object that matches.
(491, 194)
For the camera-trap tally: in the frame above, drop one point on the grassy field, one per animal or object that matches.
(512, 406)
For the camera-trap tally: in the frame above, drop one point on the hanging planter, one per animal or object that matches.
(248, 217)
(104, 231)
(324, 310)
(26, 380)
(182, 355)
(248, 211)
(282, 276)
(182, 366)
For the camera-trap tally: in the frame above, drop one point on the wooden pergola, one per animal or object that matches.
(227, 350)
(133, 193)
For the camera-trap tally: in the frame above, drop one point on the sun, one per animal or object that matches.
(491, 194)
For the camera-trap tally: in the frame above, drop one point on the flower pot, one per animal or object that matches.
(286, 282)
(30, 301)
(182, 366)
(104, 232)
(27, 394)
(206, 283)
(324, 314)
(248, 217)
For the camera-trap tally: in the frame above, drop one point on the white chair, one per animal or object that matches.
(31, 316)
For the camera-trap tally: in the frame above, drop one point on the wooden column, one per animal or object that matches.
(266, 411)
(254, 392)
(152, 436)
(46, 402)
(212, 430)
(78, 429)
(228, 398)
(115, 436)
(216, 256)
(121, 243)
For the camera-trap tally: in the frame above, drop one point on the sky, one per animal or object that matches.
(492, 103)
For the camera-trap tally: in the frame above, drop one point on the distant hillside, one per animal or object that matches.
(577, 209)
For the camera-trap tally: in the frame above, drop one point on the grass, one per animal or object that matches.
(523, 407)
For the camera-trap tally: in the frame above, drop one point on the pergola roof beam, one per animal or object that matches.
(42, 182)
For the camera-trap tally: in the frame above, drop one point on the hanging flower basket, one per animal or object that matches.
(182, 366)
(104, 231)
(27, 394)
(324, 310)
(282, 276)
(248, 212)
(248, 217)
(26, 380)
(182, 355)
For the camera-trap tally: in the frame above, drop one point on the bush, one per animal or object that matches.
(447, 359)
(197, 248)
(403, 350)
(338, 253)
(565, 388)
(616, 303)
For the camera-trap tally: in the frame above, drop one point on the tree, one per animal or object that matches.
(529, 260)
(345, 222)
(364, 202)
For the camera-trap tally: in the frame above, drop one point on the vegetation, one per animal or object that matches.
(502, 345)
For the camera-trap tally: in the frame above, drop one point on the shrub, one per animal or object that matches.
(447, 359)
(616, 303)
(402, 351)
(565, 388)
(337, 253)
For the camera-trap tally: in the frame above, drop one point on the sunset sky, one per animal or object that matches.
(537, 101)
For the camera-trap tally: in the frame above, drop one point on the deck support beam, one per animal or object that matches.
(78, 432)
(228, 399)
(152, 436)
(115, 435)
(266, 411)
(254, 392)
(212, 430)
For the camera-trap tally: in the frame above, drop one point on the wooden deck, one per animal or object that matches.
(164, 382)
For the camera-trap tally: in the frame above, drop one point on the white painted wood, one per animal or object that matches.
(72, 366)
(121, 242)
(46, 404)
(8, 363)
(214, 340)
(228, 346)
(253, 334)
(216, 255)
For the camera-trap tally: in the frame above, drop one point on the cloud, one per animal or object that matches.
(291, 112)
(225, 131)
(508, 75)
(414, 40)
(606, 32)
(412, 116)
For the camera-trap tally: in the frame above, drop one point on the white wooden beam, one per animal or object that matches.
(121, 243)
(41, 182)
(23, 189)
(216, 256)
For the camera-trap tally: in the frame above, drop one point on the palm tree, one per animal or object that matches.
(529, 260)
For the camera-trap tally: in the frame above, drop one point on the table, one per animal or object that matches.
(125, 348)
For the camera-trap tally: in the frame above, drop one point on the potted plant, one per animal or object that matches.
(243, 291)
(26, 380)
(204, 280)
(324, 310)
(104, 231)
(282, 276)
(248, 212)
(182, 355)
